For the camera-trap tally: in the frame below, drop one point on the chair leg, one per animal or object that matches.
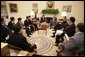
(46, 32)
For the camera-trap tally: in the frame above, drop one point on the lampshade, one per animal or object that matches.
(32, 13)
(63, 13)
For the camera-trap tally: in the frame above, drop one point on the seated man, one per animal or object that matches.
(70, 29)
(75, 41)
(28, 26)
(18, 40)
(19, 23)
(58, 26)
(59, 37)
(42, 18)
(5, 31)
(53, 22)
(11, 23)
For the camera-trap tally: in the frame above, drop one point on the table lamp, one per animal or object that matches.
(32, 13)
(64, 14)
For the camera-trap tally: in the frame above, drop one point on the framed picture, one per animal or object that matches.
(4, 12)
(34, 5)
(67, 8)
(13, 8)
(50, 4)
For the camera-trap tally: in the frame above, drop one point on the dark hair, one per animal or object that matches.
(72, 19)
(28, 17)
(2, 19)
(80, 26)
(43, 15)
(19, 19)
(17, 28)
(11, 18)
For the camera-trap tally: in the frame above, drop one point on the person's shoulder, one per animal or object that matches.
(26, 20)
(78, 35)
(9, 22)
(73, 24)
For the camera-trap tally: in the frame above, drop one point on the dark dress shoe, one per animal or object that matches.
(28, 35)
(53, 33)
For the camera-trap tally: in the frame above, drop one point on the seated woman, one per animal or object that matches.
(18, 40)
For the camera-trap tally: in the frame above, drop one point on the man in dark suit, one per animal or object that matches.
(19, 23)
(18, 40)
(70, 29)
(11, 23)
(53, 22)
(28, 25)
(42, 18)
(5, 31)
(57, 26)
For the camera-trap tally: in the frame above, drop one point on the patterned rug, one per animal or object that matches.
(44, 43)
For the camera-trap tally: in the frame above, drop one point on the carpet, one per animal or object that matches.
(44, 43)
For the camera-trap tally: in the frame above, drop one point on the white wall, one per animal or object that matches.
(77, 9)
(24, 7)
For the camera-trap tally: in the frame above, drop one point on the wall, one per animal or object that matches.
(24, 7)
(77, 9)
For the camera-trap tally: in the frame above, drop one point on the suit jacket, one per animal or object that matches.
(54, 19)
(57, 26)
(11, 25)
(19, 24)
(70, 30)
(18, 40)
(75, 41)
(5, 31)
(27, 22)
(64, 24)
(42, 19)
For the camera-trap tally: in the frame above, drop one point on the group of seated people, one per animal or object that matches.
(68, 26)
(75, 44)
(16, 37)
(28, 25)
(74, 32)
(15, 33)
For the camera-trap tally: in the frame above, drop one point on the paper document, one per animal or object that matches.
(58, 32)
(66, 36)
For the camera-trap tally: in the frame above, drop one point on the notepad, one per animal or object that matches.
(58, 32)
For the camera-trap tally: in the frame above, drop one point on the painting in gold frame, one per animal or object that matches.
(67, 8)
(34, 5)
(13, 8)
